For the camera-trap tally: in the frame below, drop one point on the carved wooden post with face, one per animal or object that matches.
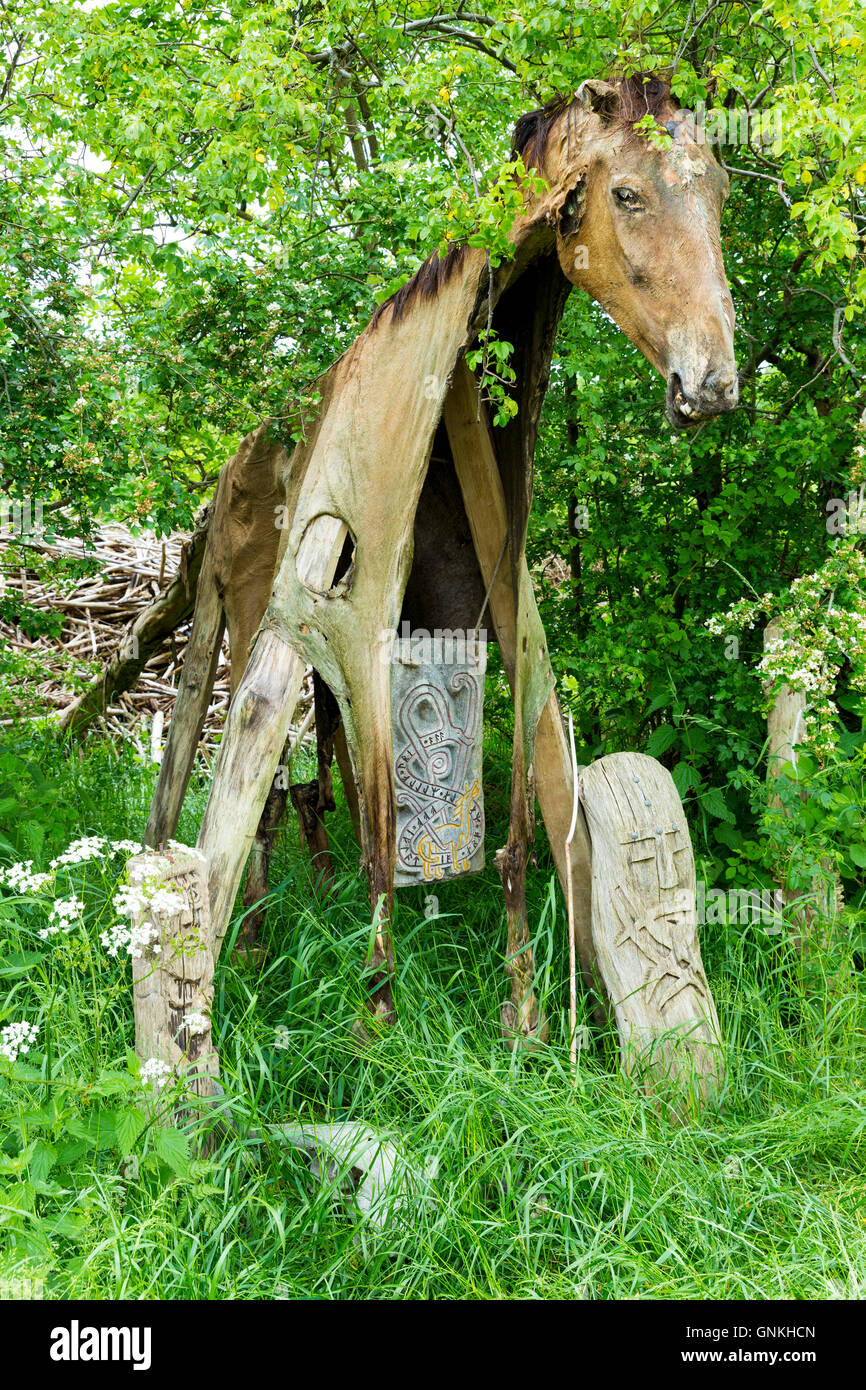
(173, 970)
(644, 923)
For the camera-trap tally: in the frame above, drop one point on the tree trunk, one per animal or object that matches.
(814, 911)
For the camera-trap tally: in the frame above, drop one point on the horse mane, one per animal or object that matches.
(637, 95)
(425, 283)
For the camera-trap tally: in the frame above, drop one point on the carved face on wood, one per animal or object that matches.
(638, 229)
(644, 919)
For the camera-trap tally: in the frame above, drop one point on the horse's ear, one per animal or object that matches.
(601, 97)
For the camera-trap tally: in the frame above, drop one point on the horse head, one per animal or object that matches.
(637, 227)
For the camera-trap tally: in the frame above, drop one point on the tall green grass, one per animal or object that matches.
(545, 1188)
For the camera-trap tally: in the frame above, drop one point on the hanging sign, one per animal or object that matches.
(437, 726)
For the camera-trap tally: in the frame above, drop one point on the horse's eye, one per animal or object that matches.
(627, 198)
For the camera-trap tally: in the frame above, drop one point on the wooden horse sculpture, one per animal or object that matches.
(402, 442)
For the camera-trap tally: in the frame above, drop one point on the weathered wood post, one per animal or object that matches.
(815, 909)
(486, 510)
(644, 924)
(173, 973)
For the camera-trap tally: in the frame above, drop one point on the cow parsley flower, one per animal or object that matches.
(155, 1073)
(22, 878)
(196, 1022)
(125, 847)
(133, 940)
(17, 1038)
(138, 899)
(81, 851)
(62, 915)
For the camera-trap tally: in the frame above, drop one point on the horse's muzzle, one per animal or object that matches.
(718, 393)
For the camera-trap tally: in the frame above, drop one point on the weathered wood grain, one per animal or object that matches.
(484, 500)
(173, 977)
(644, 924)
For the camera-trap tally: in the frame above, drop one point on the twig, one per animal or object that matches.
(572, 943)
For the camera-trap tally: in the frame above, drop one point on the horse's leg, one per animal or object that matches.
(484, 500)
(379, 821)
(190, 708)
(347, 777)
(258, 869)
(256, 730)
(305, 799)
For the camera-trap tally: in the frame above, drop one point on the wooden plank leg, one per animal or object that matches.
(484, 500)
(259, 868)
(305, 799)
(347, 777)
(190, 710)
(256, 730)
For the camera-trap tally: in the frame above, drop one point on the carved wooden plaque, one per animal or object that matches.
(644, 920)
(436, 723)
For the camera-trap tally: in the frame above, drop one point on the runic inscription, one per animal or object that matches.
(437, 722)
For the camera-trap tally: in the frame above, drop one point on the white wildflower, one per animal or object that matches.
(134, 941)
(155, 1072)
(22, 878)
(16, 1038)
(81, 851)
(196, 1022)
(62, 915)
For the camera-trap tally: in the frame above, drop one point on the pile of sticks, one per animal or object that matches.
(99, 612)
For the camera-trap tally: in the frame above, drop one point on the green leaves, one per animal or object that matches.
(660, 740)
(173, 1148)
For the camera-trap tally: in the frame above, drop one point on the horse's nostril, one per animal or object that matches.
(721, 385)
